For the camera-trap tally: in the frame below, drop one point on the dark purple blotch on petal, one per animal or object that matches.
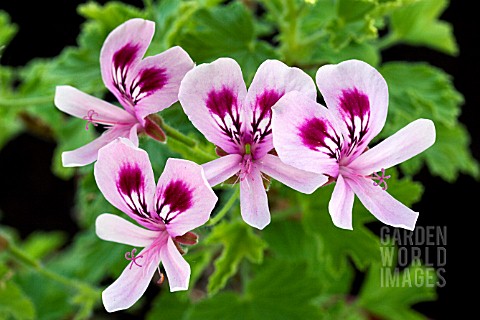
(355, 104)
(125, 56)
(149, 80)
(261, 111)
(224, 104)
(177, 196)
(314, 135)
(131, 186)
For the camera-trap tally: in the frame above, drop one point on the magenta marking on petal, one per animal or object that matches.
(122, 60)
(262, 114)
(381, 179)
(223, 106)
(355, 109)
(175, 199)
(131, 186)
(147, 82)
(131, 257)
(315, 135)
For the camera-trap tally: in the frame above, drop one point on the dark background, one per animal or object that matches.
(31, 198)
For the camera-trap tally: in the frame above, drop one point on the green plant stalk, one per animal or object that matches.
(225, 209)
(24, 258)
(25, 102)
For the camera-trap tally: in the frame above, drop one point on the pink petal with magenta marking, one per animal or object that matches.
(212, 96)
(184, 199)
(125, 177)
(154, 83)
(122, 50)
(304, 134)
(358, 95)
(272, 80)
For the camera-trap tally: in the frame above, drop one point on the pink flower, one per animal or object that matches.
(181, 201)
(142, 87)
(334, 141)
(216, 100)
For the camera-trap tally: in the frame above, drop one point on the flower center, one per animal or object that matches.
(381, 179)
(246, 167)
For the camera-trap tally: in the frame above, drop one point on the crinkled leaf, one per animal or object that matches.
(14, 304)
(239, 242)
(391, 297)
(423, 91)
(226, 31)
(278, 291)
(7, 30)
(419, 24)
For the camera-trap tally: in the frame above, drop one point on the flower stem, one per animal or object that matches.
(225, 209)
(23, 102)
(24, 258)
(185, 145)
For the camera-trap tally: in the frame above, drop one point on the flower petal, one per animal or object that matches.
(341, 204)
(272, 80)
(122, 50)
(89, 152)
(212, 96)
(300, 180)
(84, 106)
(154, 83)
(184, 199)
(358, 95)
(253, 200)
(381, 204)
(304, 134)
(110, 227)
(125, 177)
(219, 170)
(406, 143)
(177, 269)
(132, 283)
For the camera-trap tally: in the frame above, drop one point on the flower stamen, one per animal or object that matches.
(89, 117)
(381, 179)
(131, 257)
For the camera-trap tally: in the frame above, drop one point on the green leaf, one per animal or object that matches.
(226, 31)
(39, 244)
(278, 291)
(418, 24)
(14, 304)
(418, 90)
(7, 30)
(9, 125)
(168, 306)
(389, 294)
(239, 242)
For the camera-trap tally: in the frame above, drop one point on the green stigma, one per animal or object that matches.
(247, 148)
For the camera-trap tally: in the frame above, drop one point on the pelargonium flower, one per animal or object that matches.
(181, 201)
(215, 98)
(334, 141)
(143, 87)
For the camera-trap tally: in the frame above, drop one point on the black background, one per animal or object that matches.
(32, 199)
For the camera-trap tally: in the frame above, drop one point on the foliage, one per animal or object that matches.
(301, 266)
